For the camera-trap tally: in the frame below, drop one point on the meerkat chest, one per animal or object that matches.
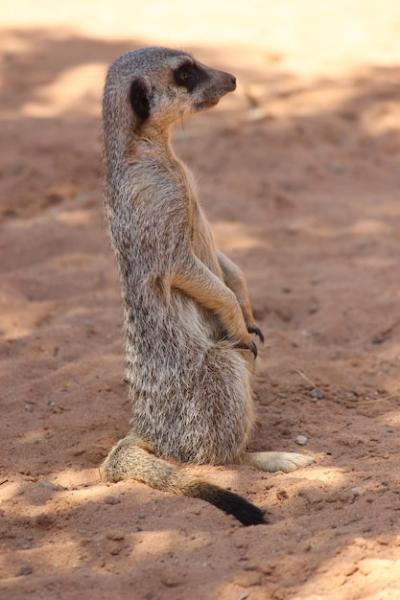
(203, 243)
(202, 239)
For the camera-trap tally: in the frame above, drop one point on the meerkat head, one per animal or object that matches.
(151, 88)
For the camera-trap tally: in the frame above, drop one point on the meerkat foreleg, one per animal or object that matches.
(236, 281)
(197, 281)
(277, 461)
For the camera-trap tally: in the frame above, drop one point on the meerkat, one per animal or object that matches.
(188, 317)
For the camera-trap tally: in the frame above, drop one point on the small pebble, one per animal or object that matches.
(335, 168)
(317, 394)
(78, 452)
(282, 495)
(115, 535)
(301, 440)
(28, 407)
(313, 308)
(248, 579)
(27, 570)
(112, 500)
(268, 568)
(44, 521)
(251, 567)
(54, 487)
(170, 580)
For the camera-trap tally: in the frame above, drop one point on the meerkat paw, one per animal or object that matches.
(278, 461)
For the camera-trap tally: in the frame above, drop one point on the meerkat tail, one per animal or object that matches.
(129, 460)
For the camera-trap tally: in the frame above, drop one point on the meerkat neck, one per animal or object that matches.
(156, 146)
(127, 143)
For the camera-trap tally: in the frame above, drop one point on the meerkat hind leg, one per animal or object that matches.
(277, 461)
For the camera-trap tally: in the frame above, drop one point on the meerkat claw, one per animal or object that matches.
(257, 331)
(253, 349)
(250, 346)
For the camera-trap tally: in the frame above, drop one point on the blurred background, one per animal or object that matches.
(299, 174)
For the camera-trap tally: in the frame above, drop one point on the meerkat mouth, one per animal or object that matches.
(206, 104)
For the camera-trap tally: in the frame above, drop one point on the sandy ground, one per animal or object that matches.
(299, 174)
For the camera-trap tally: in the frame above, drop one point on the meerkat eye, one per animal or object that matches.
(189, 76)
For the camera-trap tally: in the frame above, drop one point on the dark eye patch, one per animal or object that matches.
(139, 99)
(189, 76)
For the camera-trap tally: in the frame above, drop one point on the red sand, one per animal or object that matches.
(305, 197)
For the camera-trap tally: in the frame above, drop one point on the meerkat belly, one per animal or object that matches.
(190, 395)
(200, 324)
(193, 407)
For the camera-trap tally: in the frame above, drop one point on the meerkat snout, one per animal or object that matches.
(228, 82)
(220, 83)
(204, 86)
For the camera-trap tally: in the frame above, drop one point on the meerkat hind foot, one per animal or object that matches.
(277, 461)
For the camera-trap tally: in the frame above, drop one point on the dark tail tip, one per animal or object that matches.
(230, 503)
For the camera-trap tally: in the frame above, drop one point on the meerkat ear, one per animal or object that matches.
(139, 99)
